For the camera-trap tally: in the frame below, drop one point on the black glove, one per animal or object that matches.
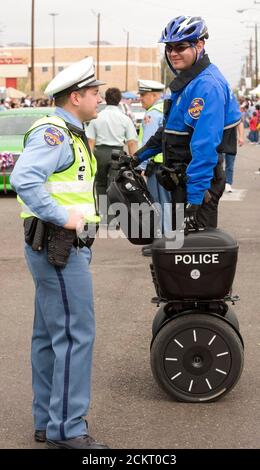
(134, 162)
(190, 219)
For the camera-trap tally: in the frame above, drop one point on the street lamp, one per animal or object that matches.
(32, 47)
(242, 10)
(53, 42)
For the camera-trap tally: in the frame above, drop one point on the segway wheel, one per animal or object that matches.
(197, 357)
(159, 319)
(232, 318)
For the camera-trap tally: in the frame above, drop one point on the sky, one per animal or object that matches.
(76, 24)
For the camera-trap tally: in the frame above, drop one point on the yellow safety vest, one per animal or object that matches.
(159, 107)
(72, 187)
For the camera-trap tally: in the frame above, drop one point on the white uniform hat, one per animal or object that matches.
(150, 85)
(78, 75)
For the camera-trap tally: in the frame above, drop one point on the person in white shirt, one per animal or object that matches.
(111, 130)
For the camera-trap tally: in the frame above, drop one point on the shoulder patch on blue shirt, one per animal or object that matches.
(196, 107)
(53, 136)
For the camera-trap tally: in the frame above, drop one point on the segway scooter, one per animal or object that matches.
(196, 350)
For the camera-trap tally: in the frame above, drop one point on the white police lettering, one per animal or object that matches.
(82, 168)
(197, 258)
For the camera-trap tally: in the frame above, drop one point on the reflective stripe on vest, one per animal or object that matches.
(72, 187)
(159, 107)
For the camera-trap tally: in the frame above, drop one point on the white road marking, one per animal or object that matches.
(236, 195)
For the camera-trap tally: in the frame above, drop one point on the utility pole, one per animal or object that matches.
(53, 42)
(98, 43)
(242, 10)
(32, 48)
(256, 56)
(126, 60)
(250, 59)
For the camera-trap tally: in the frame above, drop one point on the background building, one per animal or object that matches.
(116, 67)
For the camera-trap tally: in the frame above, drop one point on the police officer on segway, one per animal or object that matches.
(200, 123)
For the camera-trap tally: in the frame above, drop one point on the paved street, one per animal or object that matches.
(128, 409)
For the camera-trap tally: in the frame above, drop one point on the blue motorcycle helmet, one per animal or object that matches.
(185, 28)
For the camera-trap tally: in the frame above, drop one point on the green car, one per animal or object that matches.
(13, 125)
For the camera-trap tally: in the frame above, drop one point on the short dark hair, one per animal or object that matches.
(63, 99)
(113, 96)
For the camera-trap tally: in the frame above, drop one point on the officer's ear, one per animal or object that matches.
(76, 95)
(200, 45)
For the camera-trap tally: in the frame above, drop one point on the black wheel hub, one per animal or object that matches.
(197, 360)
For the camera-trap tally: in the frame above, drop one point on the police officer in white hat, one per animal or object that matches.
(151, 98)
(54, 181)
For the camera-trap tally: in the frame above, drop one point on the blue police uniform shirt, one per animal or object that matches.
(40, 159)
(205, 107)
(152, 121)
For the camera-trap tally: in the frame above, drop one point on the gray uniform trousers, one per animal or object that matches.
(62, 343)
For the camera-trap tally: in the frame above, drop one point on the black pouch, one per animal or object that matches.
(59, 243)
(39, 236)
(34, 233)
(29, 224)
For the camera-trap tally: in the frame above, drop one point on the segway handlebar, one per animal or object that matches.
(124, 160)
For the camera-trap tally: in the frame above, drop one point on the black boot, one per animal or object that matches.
(80, 442)
(147, 250)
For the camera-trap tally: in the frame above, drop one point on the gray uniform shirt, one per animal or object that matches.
(112, 127)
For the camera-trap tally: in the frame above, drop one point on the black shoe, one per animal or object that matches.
(147, 250)
(80, 442)
(39, 436)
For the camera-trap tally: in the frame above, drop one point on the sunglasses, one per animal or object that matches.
(177, 47)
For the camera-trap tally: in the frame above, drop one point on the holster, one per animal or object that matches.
(58, 240)
(35, 233)
(59, 243)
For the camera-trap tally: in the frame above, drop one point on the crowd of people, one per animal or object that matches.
(250, 110)
(26, 102)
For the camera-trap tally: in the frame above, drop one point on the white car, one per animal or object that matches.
(138, 112)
